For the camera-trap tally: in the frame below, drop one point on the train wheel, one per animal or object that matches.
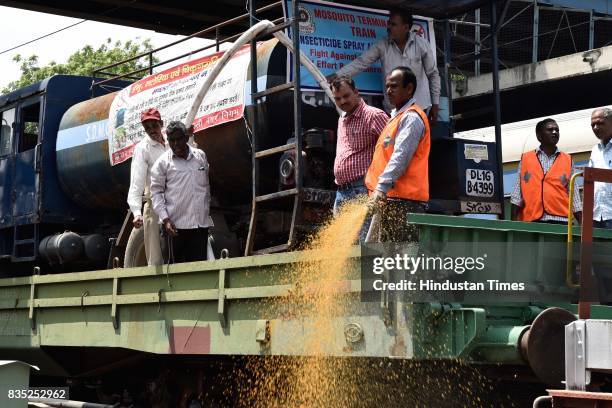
(135, 249)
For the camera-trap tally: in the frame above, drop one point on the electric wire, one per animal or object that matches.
(64, 28)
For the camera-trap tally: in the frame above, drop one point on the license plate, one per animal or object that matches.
(479, 183)
(478, 207)
(325, 197)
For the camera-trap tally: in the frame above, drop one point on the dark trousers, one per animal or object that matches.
(395, 226)
(188, 246)
(553, 222)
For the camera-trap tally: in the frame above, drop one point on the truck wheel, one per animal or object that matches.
(135, 250)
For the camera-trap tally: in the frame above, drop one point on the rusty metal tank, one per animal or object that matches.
(228, 146)
(82, 144)
(83, 165)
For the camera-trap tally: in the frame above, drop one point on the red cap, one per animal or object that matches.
(150, 113)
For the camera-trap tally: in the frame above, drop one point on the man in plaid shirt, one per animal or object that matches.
(358, 130)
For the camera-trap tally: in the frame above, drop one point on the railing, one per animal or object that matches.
(103, 71)
(591, 175)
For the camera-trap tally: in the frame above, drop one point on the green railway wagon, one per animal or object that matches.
(90, 324)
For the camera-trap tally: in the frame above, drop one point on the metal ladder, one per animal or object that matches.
(21, 243)
(295, 146)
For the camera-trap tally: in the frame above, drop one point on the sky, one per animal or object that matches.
(19, 26)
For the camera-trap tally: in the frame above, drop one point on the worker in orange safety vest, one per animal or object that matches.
(398, 179)
(541, 192)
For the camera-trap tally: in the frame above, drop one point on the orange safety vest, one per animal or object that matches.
(414, 183)
(544, 192)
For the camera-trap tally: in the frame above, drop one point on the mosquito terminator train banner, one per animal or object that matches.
(333, 35)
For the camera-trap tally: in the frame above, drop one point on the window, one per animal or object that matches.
(7, 119)
(29, 132)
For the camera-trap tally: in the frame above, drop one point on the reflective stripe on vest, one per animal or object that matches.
(544, 193)
(414, 183)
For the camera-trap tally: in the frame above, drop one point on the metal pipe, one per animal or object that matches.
(253, 136)
(297, 99)
(477, 43)
(591, 31)
(62, 403)
(536, 29)
(591, 175)
(586, 242)
(499, 22)
(468, 23)
(217, 39)
(501, 344)
(497, 103)
(197, 34)
(227, 39)
(570, 236)
(447, 64)
(539, 400)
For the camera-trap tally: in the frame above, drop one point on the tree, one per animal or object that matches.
(84, 61)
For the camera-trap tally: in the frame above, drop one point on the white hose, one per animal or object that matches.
(310, 66)
(246, 37)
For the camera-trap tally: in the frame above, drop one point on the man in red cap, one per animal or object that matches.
(145, 154)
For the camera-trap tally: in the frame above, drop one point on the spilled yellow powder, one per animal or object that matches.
(308, 377)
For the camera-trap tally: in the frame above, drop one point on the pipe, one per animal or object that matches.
(502, 344)
(497, 102)
(62, 403)
(537, 401)
(570, 237)
(247, 36)
(310, 66)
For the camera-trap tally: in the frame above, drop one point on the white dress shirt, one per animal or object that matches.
(416, 55)
(146, 152)
(180, 189)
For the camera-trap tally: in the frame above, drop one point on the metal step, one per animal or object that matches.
(273, 90)
(24, 241)
(274, 150)
(23, 258)
(270, 250)
(274, 196)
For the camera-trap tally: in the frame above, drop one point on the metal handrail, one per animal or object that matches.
(591, 175)
(569, 281)
(207, 30)
(216, 44)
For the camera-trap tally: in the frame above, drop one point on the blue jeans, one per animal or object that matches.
(345, 194)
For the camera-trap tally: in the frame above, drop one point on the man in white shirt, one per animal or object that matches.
(402, 47)
(180, 193)
(601, 157)
(146, 152)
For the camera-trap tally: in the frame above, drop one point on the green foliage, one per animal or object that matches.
(83, 62)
